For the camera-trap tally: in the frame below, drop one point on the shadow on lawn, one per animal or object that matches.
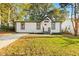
(71, 36)
(70, 40)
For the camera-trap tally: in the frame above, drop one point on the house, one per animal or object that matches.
(45, 26)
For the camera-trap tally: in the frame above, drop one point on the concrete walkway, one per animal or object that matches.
(7, 39)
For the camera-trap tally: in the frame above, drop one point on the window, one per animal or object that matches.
(22, 25)
(53, 26)
(38, 26)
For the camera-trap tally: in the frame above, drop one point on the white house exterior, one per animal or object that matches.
(45, 26)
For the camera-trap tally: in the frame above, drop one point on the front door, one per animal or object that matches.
(46, 29)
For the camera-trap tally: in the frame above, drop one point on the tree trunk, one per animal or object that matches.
(0, 20)
(76, 24)
(9, 17)
(72, 20)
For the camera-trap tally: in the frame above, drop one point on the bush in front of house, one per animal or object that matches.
(6, 28)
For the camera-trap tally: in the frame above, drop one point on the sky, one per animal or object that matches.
(57, 5)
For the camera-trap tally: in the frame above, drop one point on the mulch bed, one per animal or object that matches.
(6, 32)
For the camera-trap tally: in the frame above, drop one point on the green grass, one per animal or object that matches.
(54, 45)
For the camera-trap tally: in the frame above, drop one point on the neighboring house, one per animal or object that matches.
(67, 25)
(45, 26)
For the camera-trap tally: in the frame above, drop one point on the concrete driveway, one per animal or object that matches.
(7, 39)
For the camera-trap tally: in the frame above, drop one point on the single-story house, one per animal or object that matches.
(45, 26)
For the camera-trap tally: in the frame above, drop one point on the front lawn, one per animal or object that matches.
(53, 45)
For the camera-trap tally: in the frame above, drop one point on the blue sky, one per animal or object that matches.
(57, 5)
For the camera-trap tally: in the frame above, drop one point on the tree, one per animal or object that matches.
(10, 12)
(4, 14)
(58, 14)
(73, 6)
(37, 11)
(21, 10)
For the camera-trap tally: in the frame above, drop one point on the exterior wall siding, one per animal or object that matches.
(29, 27)
(57, 28)
(32, 28)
